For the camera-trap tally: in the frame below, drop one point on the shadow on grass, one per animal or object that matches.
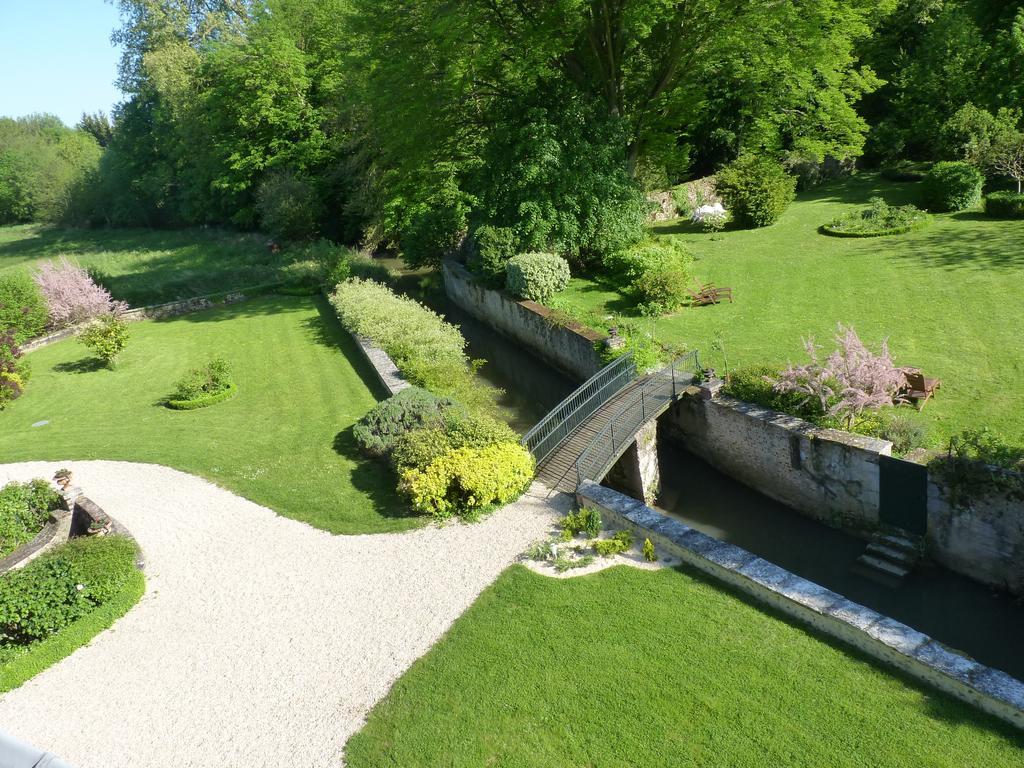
(84, 365)
(373, 478)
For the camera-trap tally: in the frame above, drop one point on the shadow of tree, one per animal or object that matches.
(83, 365)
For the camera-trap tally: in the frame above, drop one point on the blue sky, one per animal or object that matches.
(56, 57)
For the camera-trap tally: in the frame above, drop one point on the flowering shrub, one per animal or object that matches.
(106, 338)
(71, 295)
(13, 369)
(466, 481)
(536, 276)
(849, 381)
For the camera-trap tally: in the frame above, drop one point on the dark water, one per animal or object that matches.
(953, 609)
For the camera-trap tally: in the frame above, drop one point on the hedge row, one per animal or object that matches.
(204, 401)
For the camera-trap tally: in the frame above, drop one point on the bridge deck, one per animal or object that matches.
(633, 406)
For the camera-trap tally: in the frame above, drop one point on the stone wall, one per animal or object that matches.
(570, 348)
(982, 537)
(881, 637)
(387, 373)
(829, 475)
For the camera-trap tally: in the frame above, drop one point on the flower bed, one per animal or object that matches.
(204, 400)
(878, 220)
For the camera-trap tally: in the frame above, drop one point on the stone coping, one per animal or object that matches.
(383, 366)
(882, 637)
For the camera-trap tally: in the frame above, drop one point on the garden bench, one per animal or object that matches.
(708, 294)
(917, 388)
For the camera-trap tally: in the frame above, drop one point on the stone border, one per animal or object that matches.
(881, 637)
(159, 312)
(383, 366)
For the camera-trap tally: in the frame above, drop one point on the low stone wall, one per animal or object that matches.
(157, 312)
(879, 636)
(829, 475)
(570, 348)
(982, 537)
(383, 366)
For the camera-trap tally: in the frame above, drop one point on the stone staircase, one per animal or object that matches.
(891, 555)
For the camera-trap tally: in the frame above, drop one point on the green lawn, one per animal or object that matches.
(283, 441)
(950, 298)
(631, 668)
(144, 266)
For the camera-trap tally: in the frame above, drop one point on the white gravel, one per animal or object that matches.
(260, 641)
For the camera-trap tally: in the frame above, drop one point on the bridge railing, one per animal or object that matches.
(550, 431)
(643, 404)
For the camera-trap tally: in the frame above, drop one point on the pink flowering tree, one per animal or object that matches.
(71, 295)
(851, 380)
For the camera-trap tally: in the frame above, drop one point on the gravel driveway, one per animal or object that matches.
(260, 641)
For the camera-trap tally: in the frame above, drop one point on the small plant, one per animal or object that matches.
(618, 543)
(106, 338)
(952, 186)
(565, 563)
(539, 551)
(904, 431)
(536, 276)
(648, 551)
(585, 520)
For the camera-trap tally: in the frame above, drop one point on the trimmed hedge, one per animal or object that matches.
(1005, 205)
(536, 276)
(952, 186)
(203, 401)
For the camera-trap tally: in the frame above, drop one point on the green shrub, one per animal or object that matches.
(22, 307)
(904, 431)
(565, 563)
(288, 206)
(753, 384)
(877, 220)
(618, 543)
(24, 510)
(106, 338)
(655, 274)
(14, 369)
(434, 229)
(952, 186)
(756, 190)
(419, 448)
(203, 384)
(476, 430)
(493, 247)
(648, 551)
(466, 481)
(1005, 205)
(647, 352)
(536, 276)
(585, 520)
(52, 591)
(412, 409)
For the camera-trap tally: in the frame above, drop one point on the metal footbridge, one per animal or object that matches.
(583, 436)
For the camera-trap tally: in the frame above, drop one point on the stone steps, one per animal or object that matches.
(891, 555)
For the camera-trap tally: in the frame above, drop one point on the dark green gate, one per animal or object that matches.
(903, 494)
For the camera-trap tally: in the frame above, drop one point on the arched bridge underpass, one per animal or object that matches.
(583, 437)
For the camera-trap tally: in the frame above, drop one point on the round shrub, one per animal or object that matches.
(878, 220)
(952, 186)
(288, 206)
(411, 409)
(22, 307)
(756, 190)
(1005, 205)
(61, 586)
(466, 481)
(106, 338)
(536, 276)
(493, 247)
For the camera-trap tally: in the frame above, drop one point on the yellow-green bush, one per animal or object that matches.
(466, 481)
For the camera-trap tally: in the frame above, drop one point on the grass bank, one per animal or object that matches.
(663, 668)
(283, 441)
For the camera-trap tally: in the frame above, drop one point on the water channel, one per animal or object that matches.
(953, 609)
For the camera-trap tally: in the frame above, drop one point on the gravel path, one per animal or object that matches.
(260, 641)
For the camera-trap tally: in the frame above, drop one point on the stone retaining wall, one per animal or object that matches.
(879, 636)
(383, 366)
(829, 475)
(570, 348)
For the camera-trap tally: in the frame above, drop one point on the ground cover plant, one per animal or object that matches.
(535, 671)
(878, 220)
(283, 441)
(24, 510)
(946, 297)
(61, 600)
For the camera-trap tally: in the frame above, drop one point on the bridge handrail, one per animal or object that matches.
(665, 378)
(550, 431)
